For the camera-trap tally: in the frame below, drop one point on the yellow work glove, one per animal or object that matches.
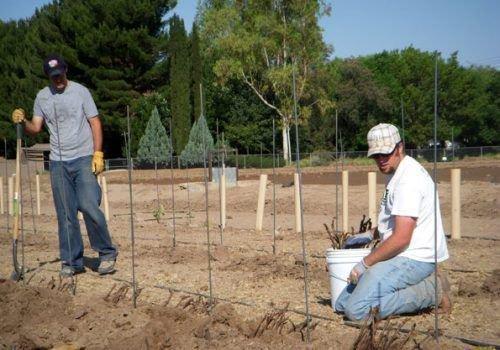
(18, 115)
(98, 162)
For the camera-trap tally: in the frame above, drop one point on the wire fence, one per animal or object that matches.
(265, 161)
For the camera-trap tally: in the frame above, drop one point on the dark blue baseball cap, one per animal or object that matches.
(54, 65)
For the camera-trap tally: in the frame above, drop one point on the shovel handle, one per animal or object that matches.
(17, 184)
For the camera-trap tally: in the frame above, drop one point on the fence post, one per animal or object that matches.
(481, 149)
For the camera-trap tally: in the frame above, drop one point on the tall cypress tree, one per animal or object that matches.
(180, 79)
(196, 73)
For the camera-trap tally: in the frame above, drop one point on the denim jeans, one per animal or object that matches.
(396, 286)
(75, 188)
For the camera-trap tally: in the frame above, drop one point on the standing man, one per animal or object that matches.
(76, 158)
(398, 275)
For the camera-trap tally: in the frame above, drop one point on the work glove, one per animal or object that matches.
(98, 162)
(358, 240)
(18, 116)
(357, 271)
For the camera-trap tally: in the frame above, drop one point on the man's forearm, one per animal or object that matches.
(386, 250)
(31, 128)
(96, 127)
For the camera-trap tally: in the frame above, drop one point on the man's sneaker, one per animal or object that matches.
(69, 271)
(106, 267)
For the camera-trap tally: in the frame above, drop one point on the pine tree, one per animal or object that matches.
(196, 73)
(200, 143)
(154, 144)
(179, 83)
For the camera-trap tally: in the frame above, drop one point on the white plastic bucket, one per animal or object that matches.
(340, 263)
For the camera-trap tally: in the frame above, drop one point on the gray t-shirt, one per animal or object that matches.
(66, 114)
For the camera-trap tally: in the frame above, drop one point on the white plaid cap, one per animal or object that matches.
(382, 139)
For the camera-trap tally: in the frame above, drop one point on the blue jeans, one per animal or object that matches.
(75, 188)
(396, 286)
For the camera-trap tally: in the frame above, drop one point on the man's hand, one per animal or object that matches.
(357, 271)
(98, 162)
(18, 115)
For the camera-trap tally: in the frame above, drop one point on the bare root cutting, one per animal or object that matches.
(199, 304)
(115, 296)
(274, 320)
(170, 295)
(337, 239)
(371, 337)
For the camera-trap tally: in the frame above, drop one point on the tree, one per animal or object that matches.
(196, 73)
(154, 144)
(140, 111)
(110, 46)
(180, 82)
(262, 43)
(361, 102)
(199, 145)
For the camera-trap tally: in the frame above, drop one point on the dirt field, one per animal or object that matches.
(249, 283)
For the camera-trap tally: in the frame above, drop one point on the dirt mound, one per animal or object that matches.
(33, 317)
(491, 285)
(44, 318)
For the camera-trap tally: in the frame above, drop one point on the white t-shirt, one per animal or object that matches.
(410, 192)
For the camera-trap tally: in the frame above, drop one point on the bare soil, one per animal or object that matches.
(258, 297)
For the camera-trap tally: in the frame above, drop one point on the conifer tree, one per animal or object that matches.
(179, 83)
(200, 143)
(154, 144)
(196, 73)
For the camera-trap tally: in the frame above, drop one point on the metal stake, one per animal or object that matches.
(336, 173)
(172, 177)
(132, 235)
(304, 255)
(207, 222)
(436, 320)
(274, 190)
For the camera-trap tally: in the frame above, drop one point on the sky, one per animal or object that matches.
(361, 27)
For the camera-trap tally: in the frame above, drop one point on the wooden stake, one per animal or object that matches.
(261, 202)
(223, 199)
(10, 194)
(38, 203)
(296, 184)
(1, 196)
(455, 204)
(105, 197)
(345, 200)
(372, 197)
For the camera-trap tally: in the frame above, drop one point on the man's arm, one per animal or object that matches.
(33, 126)
(96, 126)
(396, 243)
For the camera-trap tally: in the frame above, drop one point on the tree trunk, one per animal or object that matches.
(285, 132)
